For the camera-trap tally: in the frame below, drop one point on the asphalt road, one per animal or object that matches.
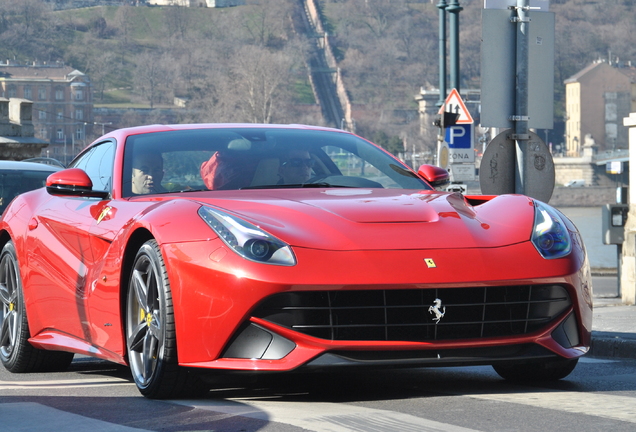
(98, 396)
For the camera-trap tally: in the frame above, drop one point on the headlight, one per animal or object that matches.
(246, 239)
(550, 235)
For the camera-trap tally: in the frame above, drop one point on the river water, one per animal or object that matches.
(588, 221)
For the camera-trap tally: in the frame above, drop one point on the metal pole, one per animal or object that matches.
(454, 9)
(520, 117)
(619, 266)
(442, 52)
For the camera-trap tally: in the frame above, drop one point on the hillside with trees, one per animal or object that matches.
(389, 48)
(234, 64)
(246, 63)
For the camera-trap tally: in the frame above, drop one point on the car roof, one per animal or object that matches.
(190, 126)
(45, 160)
(6, 165)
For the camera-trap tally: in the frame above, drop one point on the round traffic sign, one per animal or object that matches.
(498, 169)
(443, 156)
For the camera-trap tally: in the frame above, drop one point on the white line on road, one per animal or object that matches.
(324, 416)
(72, 383)
(594, 404)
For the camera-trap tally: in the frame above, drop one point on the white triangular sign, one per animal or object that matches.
(454, 104)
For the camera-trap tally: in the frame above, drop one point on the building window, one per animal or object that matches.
(28, 94)
(59, 134)
(59, 94)
(42, 93)
(611, 112)
(43, 133)
(42, 114)
(78, 134)
(11, 91)
(79, 94)
(79, 114)
(60, 115)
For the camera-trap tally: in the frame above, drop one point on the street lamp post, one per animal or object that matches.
(442, 52)
(454, 9)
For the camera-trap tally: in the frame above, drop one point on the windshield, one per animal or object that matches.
(15, 182)
(258, 158)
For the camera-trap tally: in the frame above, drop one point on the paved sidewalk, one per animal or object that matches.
(613, 329)
(614, 324)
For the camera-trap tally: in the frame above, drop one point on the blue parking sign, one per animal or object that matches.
(460, 143)
(459, 136)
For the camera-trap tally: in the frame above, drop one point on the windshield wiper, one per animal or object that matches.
(297, 186)
(188, 190)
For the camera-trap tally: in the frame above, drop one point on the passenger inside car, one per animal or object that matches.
(231, 168)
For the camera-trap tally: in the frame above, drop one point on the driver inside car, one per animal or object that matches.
(147, 173)
(296, 167)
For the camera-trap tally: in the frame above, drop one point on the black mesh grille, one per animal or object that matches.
(408, 314)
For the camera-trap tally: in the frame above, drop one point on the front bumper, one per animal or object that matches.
(220, 298)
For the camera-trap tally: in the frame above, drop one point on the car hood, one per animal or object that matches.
(379, 219)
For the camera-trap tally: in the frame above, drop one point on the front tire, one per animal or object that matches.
(16, 353)
(549, 370)
(150, 329)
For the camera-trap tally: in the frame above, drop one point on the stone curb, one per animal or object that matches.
(613, 345)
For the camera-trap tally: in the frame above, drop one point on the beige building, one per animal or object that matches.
(62, 104)
(597, 99)
(16, 130)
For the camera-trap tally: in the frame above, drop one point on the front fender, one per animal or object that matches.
(174, 222)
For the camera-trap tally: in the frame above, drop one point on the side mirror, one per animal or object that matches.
(72, 182)
(435, 175)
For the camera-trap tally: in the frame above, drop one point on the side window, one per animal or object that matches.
(98, 164)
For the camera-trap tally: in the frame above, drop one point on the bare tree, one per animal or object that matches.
(266, 23)
(99, 68)
(177, 21)
(258, 83)
(95, 59)
(32, 12)
(124, 22)
(153, 78)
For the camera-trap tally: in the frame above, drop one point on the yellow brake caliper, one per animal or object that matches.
(143, 316)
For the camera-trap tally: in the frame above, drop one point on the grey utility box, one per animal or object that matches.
(614, 218)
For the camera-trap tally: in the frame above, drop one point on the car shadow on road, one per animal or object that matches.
(374, 384)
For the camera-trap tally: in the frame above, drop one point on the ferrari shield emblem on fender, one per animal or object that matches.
(430, 263)
(103, 214)
(438, 310)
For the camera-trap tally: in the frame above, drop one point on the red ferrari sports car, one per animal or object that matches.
(175, 249)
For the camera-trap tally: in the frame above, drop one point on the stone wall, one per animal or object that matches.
(589, 196)
(567, 169)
